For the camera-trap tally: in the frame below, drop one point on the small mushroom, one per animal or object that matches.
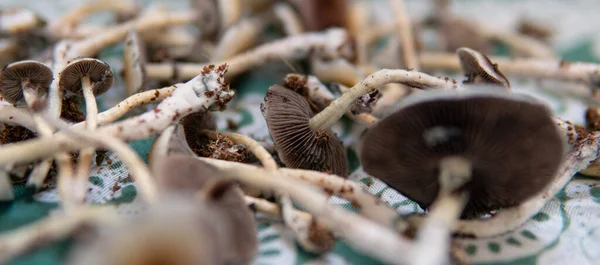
(134, 60)
(193, 124)
(287, 114)
(479, 68)
(511, 144)
(25, 79)
(535, 29)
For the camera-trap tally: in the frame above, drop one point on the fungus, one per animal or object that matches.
(216, 15)
(319, 15)
(25, 79)
(19, 20)
(287, 114)
(134, 60)
(479, 69)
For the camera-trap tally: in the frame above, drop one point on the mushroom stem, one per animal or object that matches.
(433, 239)
(409, 55)
(332, 41)
(6, 191)
(313, 236)
(240, 37)
(18, 20)
(521, 44)
(271, 209)
(55, 93)
(289, 19)
(16, 116)
(53, 228)
(256, 148)
(587, 73)
(361, 233)
(337, 71)
(65, 24)
(358, 21)
(330, 115)
(230, 12)
(369, 205)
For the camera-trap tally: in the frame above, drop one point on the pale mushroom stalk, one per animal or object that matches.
(230, 12)
(367, 236)
(433, 239)
(522, 44)
(271, 209)
(18, 20)
(326, 118)
(65, 24)
(207, 91)
(587, 73)
(240, 36)
(256, 148)
(23, 239)
(333, 42)
(358, 21)
(337, 71)
(289, 19)
(409, 55)
(17, 116)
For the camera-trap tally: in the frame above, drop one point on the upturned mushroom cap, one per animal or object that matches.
(101, 76)
(287, 114)
(511, 142)
(476, 64)
(13, 75)
(184, 174)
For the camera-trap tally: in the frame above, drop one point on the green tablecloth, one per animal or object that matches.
(566, 231)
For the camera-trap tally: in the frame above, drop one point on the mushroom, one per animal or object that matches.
(90, 77)
(509, 144)
(319, 15)
(19, 20)
(239, 37)
(289, 19)
(216, 15)
(479, 69)
(25, 79)
(134, 60)
(287, 114)
(405, 34)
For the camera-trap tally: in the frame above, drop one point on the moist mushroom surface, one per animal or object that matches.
(287, 114)
(511, 143)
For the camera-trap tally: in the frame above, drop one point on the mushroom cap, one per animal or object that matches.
(185, 174)
(101, 76)
(193, 124)
(511, 142)
(476, 63)
(318, 15)
(287, 114)
(12, 76)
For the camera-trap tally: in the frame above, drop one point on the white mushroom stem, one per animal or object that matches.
(364, 235)
(139, 171)
(522, 44)
(409, 54)
(433, 239)
(303, 228)
(358, 22)
(64, 25)
(151, 20)
(230, 12)
(587, 73)
(6, 190)
(337, 71)
(271, 209)
(55, 93)
(240, 37)
(326, 118)
(584, 152)
(170, 37)
(369, 205)
(253, 146)
(17, 242)
(18, 20)
(332, 42)
(289, 19)
(17, 116)
(206, 91)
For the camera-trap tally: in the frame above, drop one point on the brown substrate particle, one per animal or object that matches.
(223, 149)
(14, 133)
(297, 83)
(70, 110)
(592, 119)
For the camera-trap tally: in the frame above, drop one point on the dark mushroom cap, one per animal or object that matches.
(511, 142)
(476, 64)
(13, 75)
(287, 114)
(101, 76)
(318, 15)
(209, 20)
(193, 124)
(184, 174)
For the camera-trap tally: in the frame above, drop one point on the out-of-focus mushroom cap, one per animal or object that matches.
(101, 76)
(13, 75)
(287, 114)
(512, 143)
(318, 15)
(476, 63)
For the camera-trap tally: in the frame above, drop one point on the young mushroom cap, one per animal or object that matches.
(99, 72)
(12, 77)
(476, 64)
(511, 142)
(287, 114)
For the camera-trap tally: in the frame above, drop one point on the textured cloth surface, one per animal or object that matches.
(566, 231)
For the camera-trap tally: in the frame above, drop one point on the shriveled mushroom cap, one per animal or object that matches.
(13, 75)
(182, 174)
(287, 114)
(101, 76)
(512, 143)
(476, 64)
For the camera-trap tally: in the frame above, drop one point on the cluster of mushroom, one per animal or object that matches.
(461, 150)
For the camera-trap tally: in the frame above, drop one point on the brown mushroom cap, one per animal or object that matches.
(476, 64)
(318, 15)
(101, 76)
(511, 142)
(287, 114)
(179, 173)
(193, 124)
(13, 75)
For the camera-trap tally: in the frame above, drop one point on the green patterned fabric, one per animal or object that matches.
(566, 231)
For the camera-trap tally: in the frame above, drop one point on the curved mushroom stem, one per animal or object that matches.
(271, 209)
(289, 19)
(18, 20)
(329, 116)
(337, 71)
(358, 21)
(240, 37)
(256, 148)
(433, 239)
(409, 55)
(85, 155)
(332, 42)
(17, 116)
